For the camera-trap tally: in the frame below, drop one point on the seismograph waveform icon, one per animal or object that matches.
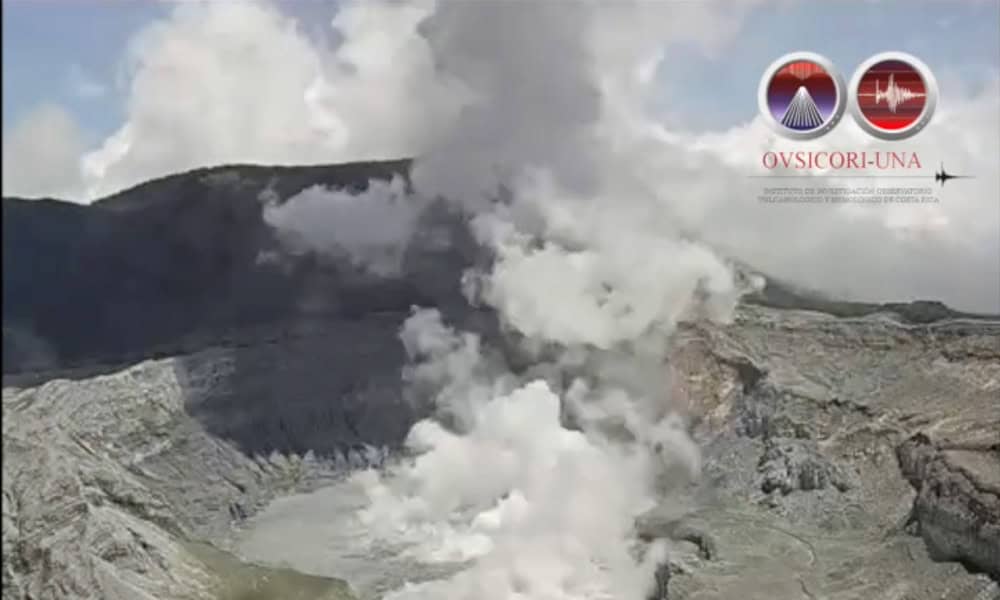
(802, 112)
(893, 94)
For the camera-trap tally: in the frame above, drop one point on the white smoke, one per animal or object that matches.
(371, 228)
(539, 510)
(534, 479)
(258, 90)
(878, 253)
(41, 153)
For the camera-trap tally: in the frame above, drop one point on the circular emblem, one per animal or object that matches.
(893, 95)
(801, 95)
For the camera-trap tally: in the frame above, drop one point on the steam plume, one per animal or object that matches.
(534, 478)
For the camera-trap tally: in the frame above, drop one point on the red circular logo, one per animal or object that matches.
(892, 95)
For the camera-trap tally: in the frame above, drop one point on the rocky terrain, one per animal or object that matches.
(862, 451)
(104, 482)
(162, 384)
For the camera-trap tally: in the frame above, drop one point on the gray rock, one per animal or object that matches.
(858, 418)
(791, 465)
(957, 508)
(106, 485)
(108, 479)
(855, 426)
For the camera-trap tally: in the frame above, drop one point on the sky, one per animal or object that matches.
(100, 96)
(71, 52)
(954, 37)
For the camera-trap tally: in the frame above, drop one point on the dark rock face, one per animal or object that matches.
(171, 264)
(174, 266)
(778, 294)
(957, 509)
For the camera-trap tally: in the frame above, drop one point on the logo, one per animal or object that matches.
(893, 95)
(801, 96)
(943, 176)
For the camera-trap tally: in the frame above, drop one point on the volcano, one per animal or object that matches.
(164, 387)
(802, 113)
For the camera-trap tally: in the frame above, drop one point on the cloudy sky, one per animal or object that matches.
(99, 96)
(73, 53)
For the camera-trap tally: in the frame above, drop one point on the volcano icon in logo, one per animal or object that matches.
(801, 95)
(802, 113)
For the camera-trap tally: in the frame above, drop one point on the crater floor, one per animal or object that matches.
(845, 458)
